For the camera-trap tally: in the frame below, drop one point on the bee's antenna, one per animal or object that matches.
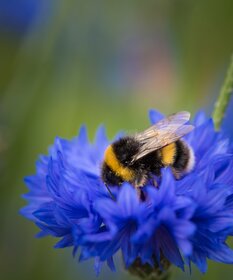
(111, 194)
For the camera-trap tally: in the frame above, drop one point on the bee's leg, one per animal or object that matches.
(177, 174)
(153, 180)
(155, 183)
(139, 184)
(140, 193)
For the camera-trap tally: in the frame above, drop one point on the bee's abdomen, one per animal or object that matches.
(184, 158)
(179, 156)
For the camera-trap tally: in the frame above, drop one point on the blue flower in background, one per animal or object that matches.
(185, 221)
(18, 15)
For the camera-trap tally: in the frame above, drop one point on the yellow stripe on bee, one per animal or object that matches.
(168, 154)
(111, 160)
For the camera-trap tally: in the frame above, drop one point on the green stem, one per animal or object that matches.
(224, 97)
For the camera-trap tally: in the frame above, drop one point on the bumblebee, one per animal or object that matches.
(140, 157)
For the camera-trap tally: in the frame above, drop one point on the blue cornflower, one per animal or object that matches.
(18, 15)
(183, 221)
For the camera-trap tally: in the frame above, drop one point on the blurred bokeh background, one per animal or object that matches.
(64, 63)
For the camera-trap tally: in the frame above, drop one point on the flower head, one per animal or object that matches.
(183, 221)
(17, 16)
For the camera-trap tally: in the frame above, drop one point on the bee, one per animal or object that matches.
(139, 158)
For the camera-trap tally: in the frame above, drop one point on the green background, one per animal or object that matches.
(97, 62)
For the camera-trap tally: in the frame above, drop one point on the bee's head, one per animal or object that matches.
(109, 177)
(114, 172)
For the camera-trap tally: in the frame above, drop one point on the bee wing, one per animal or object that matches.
(164, 132)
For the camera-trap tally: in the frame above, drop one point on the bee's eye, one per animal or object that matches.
(125, 162)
